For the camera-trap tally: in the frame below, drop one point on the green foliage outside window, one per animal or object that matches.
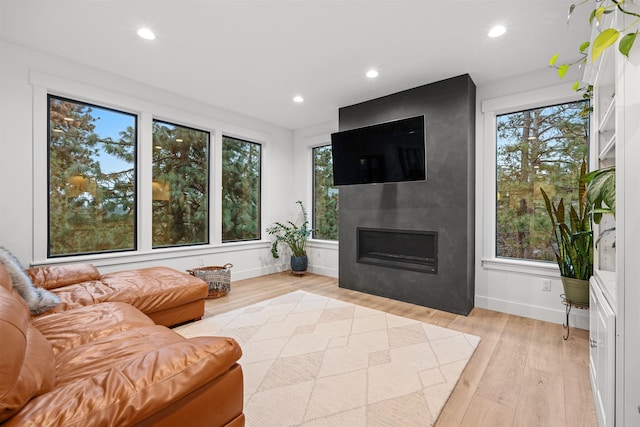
(537, 149)
(92, 178)
(325, 195)
(180, 186)
(241, 162)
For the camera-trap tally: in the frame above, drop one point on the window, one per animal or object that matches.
(325, 195)
(537, 148)
(180, 185)
(241, 163)
(91, 178)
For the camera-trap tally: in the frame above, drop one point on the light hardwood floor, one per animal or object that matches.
(522, 374)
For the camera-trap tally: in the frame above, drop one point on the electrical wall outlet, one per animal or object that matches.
(546, 285)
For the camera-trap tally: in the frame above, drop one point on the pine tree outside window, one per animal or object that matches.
(91, 178)
(537, 148)
(241, 182)
(180, 185)
(325, 195)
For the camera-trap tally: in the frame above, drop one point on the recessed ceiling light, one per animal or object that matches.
(372, 74)
(298, 99)
(146, 34)
(497, 31)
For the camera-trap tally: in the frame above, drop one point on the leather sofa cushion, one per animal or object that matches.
(148, 289)
(84, 325)
(27, 366)
(134, 388)
(56, 276)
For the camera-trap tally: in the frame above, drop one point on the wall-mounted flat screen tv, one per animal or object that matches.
(387, 152)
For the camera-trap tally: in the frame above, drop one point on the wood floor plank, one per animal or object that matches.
(580, 410)
(551, 388)
(503, 377)
(546, 351)
(484, 412)
(541, 400)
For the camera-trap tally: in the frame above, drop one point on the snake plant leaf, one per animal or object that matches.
(626, 43)
(553, 59)
(603, 41)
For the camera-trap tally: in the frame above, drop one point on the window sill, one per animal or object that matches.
(120, 258)
(531, 268)
(323, 244)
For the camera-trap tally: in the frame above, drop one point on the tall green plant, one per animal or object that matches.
(573, 236)
(291, 234)
(601, 192)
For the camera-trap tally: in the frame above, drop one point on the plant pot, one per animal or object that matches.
(576, 290)
(299, 264)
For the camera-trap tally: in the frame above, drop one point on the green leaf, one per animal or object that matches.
(599, 12)
(553, 59)
(593, 15)
(576, 86)
(626, 43)
(562, 70)
(584, 46)
(603, 41)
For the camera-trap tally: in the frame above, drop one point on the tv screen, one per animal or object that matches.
(386, 152)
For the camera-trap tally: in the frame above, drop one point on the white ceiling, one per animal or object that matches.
(253, 56)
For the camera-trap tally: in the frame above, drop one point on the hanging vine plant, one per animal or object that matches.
(606, 38)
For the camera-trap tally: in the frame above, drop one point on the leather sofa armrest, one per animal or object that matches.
(56, 276)
(136, 389)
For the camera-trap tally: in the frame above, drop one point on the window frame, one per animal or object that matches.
(313, 194)
(209, 188)
(43, 84)
(135, 117)
(260, 187)
(490, 109)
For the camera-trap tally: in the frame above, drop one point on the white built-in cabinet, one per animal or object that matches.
(615, 286)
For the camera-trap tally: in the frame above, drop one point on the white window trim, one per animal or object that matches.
(311, 143)
(45, 84)
(490, 109)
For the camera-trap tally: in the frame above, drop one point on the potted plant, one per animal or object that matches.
(294, 236)
(574, 243)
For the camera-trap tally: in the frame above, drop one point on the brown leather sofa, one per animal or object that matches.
(167, 296)
(108, 364)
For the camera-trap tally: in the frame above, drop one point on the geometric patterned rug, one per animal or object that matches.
(309, 360)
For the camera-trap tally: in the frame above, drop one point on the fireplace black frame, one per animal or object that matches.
(399, 263)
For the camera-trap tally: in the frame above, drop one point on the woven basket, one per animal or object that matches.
(218, 278)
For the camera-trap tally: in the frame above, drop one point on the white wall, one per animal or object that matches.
(21, 140)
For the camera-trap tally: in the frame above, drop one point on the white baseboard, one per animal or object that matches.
(324, 271)
(577, 318)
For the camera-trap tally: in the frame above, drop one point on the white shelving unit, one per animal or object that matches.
(614, 308)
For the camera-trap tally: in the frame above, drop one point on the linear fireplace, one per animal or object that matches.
(412, 250)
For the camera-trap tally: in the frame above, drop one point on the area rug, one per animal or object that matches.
(309, 360)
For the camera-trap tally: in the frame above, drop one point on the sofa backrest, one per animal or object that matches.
(56, 276)
(27, 364)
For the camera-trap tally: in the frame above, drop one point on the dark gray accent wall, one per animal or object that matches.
(443, 203)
